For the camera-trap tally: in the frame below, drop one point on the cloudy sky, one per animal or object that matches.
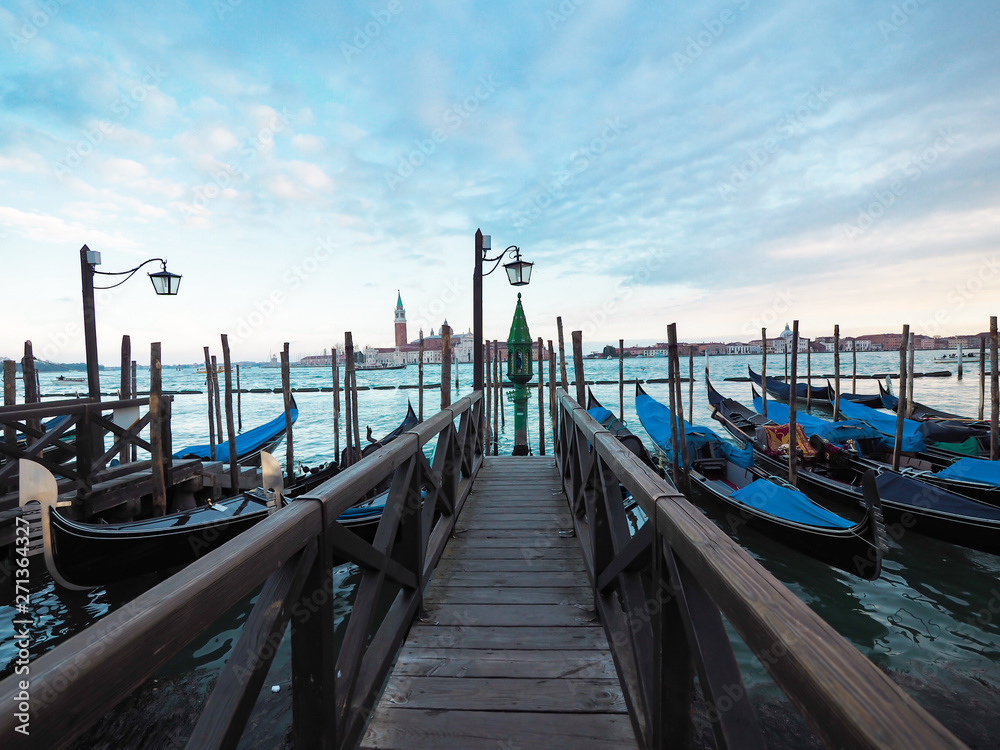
(721, 165)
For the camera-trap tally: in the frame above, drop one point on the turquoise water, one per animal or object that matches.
(932, 621)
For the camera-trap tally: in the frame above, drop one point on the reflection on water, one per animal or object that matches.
(932, 620)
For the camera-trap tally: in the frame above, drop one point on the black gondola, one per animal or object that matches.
(813, 394)
(617, 428)
(907, 503)
(83, 555)
(728, 480)
(249, 444)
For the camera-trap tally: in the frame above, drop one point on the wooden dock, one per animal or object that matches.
(510, 653)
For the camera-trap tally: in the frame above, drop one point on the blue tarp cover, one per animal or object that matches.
(247, 443)
(913, 439)
(973, 470)
(599, 413)
(655, 418)
(834, 432)
(788, 503)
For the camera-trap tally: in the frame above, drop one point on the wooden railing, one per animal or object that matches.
(74, 449)
(290, 553)
(662, 593)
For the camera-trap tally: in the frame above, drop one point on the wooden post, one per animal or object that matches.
(982, 375)
(455, 363)
(348, 456)
(621, 380)
(211, 403)
(581, 386)
(553, 416)
(335, 374)
(445, 367)
(836, 373)
(793, 442)
(239, 402)
(488, 396)
(909, 378)
(420, 381)
(31, 384)
(135, 394)
(675, 449)
(690, 384)
(541, 397)
(218, 399)
(9, 399)
(497, 396)
(809, 373)
(675, 355)
(960, 363)
(901, 405)
(785, 347)
(500, 398)
(234, 464)
(124, 392)
(156, 432)
(351, 405)
(994, 392)
(763, 371)
(286, 392)
(562, 356)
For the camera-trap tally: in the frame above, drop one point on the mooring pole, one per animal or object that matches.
(793, 435)
(581, 382)
(211, 403)
(541, 397)
(994, 392)
(836, 373)
(901, 404)
(286, 391)
(156, 432)
(234, 465)
(763, 372)
(562, 356)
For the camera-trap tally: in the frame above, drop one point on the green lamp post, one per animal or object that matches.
(519, 373)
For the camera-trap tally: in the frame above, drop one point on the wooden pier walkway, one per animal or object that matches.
(510, 653)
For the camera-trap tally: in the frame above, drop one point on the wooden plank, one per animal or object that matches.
(485, 730)
(517, 637)
(522, 565)
(505, 595)
(475, 615)
(593, 695)
(514, 579)
(460, 662)
(477, 552)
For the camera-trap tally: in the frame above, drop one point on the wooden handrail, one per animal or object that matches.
(70, 406)
(76, 683)
(846, 699)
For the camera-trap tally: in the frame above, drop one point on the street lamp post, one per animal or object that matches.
(518, 274)
(164, 283)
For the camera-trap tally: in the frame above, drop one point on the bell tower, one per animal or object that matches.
(400, 321)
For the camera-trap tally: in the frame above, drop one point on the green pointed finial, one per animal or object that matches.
(519, 333)
(399, 299)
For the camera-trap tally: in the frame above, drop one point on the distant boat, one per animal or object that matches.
(219, 368)
(379, 367)
(972, 356)
(70, 380)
